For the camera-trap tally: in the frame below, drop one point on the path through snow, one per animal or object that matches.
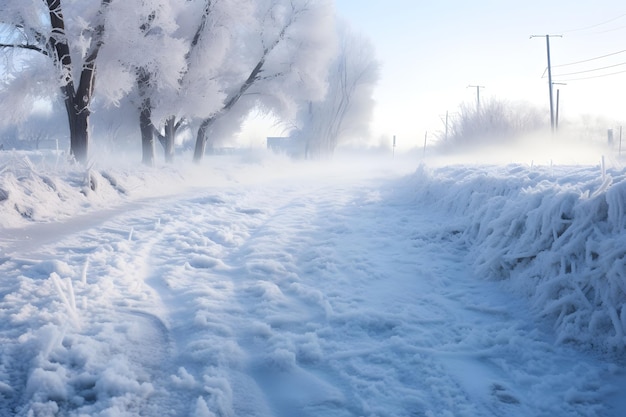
(338, 297)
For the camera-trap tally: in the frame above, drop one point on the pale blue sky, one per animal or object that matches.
(432, 50)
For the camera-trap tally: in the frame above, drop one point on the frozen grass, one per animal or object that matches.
(555, 234)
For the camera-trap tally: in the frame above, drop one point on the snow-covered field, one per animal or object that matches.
(256, 286)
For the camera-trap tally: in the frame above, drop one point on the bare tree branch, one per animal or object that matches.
(25, 46)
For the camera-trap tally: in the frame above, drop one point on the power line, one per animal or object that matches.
(609, 30)
(591, 70)
(595, 76)
(594, 26)
(589, 60)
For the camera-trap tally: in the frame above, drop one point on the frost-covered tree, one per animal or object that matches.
(76, 41)
(146, 54)
(279, 58)
(347, 107)
(208, 28)
(149, 83)
(200, 61)
(42, 27)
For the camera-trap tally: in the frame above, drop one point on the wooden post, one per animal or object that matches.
(603, 168)
(556, 120)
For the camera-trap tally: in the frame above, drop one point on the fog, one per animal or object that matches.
(567, 148)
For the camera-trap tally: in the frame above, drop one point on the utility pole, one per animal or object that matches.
(549, 76)
(478, 87)
(556, 122)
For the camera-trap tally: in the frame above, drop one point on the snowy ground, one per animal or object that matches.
(261, 288)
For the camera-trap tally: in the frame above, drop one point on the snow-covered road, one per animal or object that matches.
(334, 297)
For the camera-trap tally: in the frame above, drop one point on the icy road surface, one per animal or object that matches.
(334, 297)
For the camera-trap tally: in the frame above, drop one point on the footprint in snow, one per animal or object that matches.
(502, 394)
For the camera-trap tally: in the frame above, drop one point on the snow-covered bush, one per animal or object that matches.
(556, 236)
(493, 121)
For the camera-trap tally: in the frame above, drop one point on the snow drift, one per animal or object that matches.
(554, 234)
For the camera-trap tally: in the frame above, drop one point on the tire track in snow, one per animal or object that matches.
(225, 275)
(196, 287)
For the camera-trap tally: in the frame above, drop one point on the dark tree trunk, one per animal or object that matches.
(145, 118)
(79, 135)
(170, 138)
(77, 107)
(200, 148)
(78, 121)
(147, 133)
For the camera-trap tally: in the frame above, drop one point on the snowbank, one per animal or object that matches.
(43, 187)
(554, 234)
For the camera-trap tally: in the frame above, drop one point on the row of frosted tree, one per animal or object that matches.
(202, 64)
